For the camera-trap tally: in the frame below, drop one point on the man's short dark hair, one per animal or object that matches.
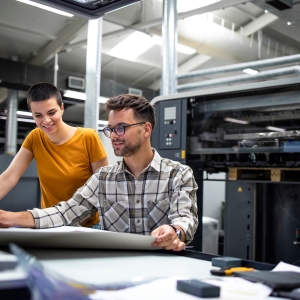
(43, 91)
(143, 110)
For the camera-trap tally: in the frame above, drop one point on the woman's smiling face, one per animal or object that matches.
(47, 115)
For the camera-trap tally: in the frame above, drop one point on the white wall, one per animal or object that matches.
(213, 196)
(109, 149)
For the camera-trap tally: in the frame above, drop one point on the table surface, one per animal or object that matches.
(115, 266)
(101, 266)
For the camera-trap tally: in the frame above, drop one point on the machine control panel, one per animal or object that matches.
(170, 125)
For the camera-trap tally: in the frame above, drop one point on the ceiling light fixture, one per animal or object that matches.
(54, 10)
(19, 119)
(232, 120)
(275, 129)
(250, 71)
(74, 94)
(126, 50)
(24, 113)
(81, 96)
(21, 113)
(102, 122)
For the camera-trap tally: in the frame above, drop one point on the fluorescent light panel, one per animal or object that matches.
(102, 122)
(24, 113)
(129, 49)
(133, 46)
(81, 96)
(275, 129)
(21, 113)
(19, 119)
(45, 7)
(250, 71)
(232, 120)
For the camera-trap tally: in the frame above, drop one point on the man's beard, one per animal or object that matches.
(129, 149)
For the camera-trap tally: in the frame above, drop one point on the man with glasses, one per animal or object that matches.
(143, 193)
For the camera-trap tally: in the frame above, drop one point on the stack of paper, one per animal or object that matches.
(75, 237)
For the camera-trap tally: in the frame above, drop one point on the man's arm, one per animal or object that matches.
(183, 214)
(19, 219)
(83, 205)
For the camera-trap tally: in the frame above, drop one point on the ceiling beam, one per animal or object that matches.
(259, 23)
(291, 31)
(244, 12)
(145, 75)
(108, 64)
(192, 63)
(183, 15)
(67, 35)
(35, 33)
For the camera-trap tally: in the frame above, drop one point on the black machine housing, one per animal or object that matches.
(252, 133)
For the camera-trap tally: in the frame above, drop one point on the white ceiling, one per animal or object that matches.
(220, 37)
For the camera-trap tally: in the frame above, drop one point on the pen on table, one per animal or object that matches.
(224, 272)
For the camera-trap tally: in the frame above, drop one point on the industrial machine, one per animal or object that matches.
(252, 133)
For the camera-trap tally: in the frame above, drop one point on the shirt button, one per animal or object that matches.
(137, 201)
(138, 221)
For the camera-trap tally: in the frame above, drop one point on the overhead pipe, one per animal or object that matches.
(240, 78)
(238, 67)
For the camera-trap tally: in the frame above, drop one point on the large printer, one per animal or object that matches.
(252, 133)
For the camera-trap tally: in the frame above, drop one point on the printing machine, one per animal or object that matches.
(252, 133)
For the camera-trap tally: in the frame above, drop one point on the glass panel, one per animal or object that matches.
(254, 128)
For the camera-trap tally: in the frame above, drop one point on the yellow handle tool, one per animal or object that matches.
(223, 272)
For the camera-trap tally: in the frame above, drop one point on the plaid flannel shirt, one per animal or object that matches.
(164, 193)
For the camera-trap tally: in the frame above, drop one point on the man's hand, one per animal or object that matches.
(167, 238)
(21, 219)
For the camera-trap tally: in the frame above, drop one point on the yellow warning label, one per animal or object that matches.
(240, 189)
(183, 154)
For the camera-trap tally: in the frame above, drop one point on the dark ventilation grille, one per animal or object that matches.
(281, 4)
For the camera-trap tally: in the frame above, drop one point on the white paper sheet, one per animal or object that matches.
(166, 289)
(75, 237)
(282, 266)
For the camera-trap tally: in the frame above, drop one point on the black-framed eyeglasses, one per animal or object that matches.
(119, 130)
